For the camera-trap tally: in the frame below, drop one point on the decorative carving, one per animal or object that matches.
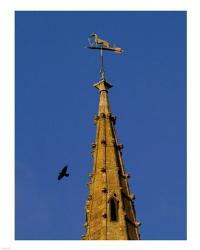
(102, 115)
(137, 223)
(103, 170)
(104, 215)
(132, 196)
(88, 184)
(127, 176)
(90, 175)
(113, 119)
(83, 237)
(120, 146)
(104, 190)
(96, 118)
(103, 141)
(108, 115)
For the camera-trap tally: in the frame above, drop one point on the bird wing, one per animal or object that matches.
(64, 170)
(60, 176)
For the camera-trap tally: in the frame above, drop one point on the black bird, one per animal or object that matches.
(63, 173)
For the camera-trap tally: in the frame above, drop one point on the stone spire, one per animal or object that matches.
(110, 211)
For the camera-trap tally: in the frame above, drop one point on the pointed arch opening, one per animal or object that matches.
(113, 209)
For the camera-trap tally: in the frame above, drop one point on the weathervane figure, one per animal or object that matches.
(97, 43)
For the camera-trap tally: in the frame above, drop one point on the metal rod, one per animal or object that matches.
(102, 71)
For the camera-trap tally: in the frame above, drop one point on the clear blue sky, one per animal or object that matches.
(56, 103)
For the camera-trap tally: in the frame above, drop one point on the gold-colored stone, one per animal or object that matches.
(110, 211)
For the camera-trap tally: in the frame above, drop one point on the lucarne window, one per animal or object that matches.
(113, 210)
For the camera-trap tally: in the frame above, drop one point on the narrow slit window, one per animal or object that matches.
(113, 210)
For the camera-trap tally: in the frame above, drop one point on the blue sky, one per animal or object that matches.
(56, 103)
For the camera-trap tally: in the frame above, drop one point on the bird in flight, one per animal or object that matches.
(63, 173)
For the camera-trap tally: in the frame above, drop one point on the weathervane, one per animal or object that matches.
(96, 43)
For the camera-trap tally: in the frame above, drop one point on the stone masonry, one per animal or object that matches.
(110, 211)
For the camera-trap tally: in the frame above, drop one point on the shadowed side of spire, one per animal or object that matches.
(103, 87)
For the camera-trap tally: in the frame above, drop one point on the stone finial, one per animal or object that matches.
(138, 223)
(132, 196)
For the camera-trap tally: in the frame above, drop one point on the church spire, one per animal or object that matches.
(110, 211)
